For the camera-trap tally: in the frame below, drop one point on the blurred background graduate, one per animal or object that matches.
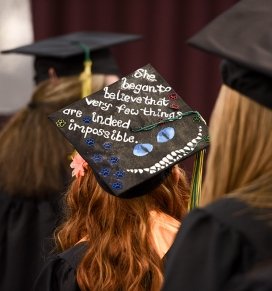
(34, 156)
(226, 244)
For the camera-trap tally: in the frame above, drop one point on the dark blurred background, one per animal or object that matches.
(165, 26)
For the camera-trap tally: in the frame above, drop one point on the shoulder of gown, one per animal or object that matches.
(26, 238)
(214, 243)
(258, 278)
(59, 274)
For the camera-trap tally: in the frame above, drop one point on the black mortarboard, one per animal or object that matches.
(66, 56)
(242, 36)
(132, 131)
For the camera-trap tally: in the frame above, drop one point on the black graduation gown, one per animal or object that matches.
(59, 274)
(26, 238)
(224, 246)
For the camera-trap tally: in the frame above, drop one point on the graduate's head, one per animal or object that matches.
(97, 212)
(239, 161)
(131, 136)
(132, 131)
(131, 141)
(119, 231)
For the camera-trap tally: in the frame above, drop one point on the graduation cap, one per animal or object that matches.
(242, 37)
(66, 53)
(133, 131)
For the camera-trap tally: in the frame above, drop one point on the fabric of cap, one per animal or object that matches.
(242, 36)
(66, 46)
(132, 131)
(66, 56)
(139, 189)
(102, 63)
(254, 85)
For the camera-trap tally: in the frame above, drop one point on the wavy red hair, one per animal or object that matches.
(120, 254)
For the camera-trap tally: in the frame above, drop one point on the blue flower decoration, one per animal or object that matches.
(142, 149)
(105, 172)
(107, 145)
(117, 185)
(119, 174)
(113, 160)
(90, 141)
(87, 119)
(165, 134)
(97, 158)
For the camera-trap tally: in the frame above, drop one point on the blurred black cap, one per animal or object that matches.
(66, 56)
(242, 36)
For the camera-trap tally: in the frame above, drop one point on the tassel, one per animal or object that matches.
(86, 79)
(86, 75)
(196, 180)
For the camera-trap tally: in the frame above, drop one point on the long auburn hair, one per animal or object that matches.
(240, 158)
(120, 255)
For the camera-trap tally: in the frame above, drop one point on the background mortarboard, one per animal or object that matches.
(65, 55)
(132, 131)
(242, 36)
